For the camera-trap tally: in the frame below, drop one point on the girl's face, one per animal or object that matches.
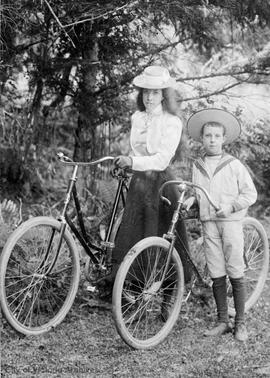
(152, 98)
(213, 138)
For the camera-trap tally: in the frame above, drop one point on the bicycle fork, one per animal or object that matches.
(62, 219)
(170, 236)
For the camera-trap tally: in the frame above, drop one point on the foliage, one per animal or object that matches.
(256, 145)
(78, 60)
(10, 217)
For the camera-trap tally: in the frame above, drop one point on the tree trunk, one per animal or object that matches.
(85, 135)
(31, 131)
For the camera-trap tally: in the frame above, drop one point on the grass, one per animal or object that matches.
(86, 344)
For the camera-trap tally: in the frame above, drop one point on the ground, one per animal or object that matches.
(86, 344)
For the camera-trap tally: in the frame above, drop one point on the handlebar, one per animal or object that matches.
(67, 161)
(182, 185)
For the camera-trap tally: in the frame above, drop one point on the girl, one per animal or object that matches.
(155, 134)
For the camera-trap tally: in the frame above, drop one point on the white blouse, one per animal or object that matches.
(154, 139)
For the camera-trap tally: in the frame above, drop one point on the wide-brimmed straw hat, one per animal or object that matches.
(154, 77)
(227, 119)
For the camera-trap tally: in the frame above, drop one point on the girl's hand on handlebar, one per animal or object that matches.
(123, 162)
(224, 211)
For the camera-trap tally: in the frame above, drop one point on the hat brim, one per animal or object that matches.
(142, 82)
(227, 119)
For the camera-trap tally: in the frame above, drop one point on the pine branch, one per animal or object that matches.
(59, 23)
(210, 94)
(103, 14)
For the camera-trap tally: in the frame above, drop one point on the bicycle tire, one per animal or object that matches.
(256, 255)
(144, 311)
(33, 302)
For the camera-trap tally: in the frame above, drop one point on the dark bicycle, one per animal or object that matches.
(40, 262)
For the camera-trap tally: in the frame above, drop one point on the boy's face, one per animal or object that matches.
(212, 139)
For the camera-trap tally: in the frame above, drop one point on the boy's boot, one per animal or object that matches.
(220, 295)
(239, 293)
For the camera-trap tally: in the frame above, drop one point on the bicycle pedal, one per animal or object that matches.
(90, 288)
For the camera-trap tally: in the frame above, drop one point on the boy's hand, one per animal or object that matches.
(188, 203)
(224, 211)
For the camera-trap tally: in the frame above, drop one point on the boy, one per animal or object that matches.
(231, 187)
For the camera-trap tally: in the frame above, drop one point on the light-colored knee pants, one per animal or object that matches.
(223, 245)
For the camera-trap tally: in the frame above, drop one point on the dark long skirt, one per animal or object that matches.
(146, 215)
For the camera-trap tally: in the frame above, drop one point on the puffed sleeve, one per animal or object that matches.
(247, 191)
(162, 142)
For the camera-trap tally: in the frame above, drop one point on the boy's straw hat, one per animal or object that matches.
(200, 118)
(154, 77)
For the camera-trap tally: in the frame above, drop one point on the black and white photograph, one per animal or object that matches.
(134, 188)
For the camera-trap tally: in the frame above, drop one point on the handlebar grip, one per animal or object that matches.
(166, 200)
(63, 157)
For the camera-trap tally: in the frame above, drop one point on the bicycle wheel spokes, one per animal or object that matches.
(34, 298)
(256, 259)
(147, 301)
(253, 256)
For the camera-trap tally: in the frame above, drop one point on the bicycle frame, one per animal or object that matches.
(81, 234)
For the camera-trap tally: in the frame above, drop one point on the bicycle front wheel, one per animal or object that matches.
(146, 307)
(35, 297)
(256, 257)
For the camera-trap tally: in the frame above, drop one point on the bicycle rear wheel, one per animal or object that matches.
(34, 300)
(145, 309)
(256, 256)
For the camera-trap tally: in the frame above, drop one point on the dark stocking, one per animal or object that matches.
(220, 295)
(239, 293)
